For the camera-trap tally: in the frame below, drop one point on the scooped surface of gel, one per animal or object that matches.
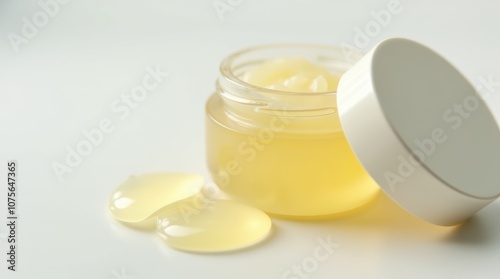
(212, 226)
(140, 197)
(292, 75)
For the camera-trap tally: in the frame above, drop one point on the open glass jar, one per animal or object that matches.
(283, 152)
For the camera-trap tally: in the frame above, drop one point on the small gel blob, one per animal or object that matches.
(136, 201)
(212, 225)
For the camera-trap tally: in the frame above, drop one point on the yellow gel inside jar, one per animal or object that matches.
(273, 135)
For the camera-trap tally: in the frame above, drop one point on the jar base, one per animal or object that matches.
(341, 214)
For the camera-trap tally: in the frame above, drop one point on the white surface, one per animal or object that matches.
(439, 170)
(66, 77)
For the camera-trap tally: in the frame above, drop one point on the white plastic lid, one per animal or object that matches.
(422, 131)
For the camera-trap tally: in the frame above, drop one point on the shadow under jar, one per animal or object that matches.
(283, 152)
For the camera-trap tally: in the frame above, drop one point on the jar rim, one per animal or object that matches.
(227, 71)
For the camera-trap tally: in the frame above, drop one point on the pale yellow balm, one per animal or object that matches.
(174, 205)
(212, 226)
(274, 138)
(136, 200)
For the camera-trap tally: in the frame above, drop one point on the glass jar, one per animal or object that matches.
(282, 152)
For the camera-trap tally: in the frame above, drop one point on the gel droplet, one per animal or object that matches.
(137, 200)
(212, 226)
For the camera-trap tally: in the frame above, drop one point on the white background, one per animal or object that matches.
(64, 79)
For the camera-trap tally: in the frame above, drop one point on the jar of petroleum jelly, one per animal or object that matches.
(273, 135)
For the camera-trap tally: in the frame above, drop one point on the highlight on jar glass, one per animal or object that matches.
(273, 134)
